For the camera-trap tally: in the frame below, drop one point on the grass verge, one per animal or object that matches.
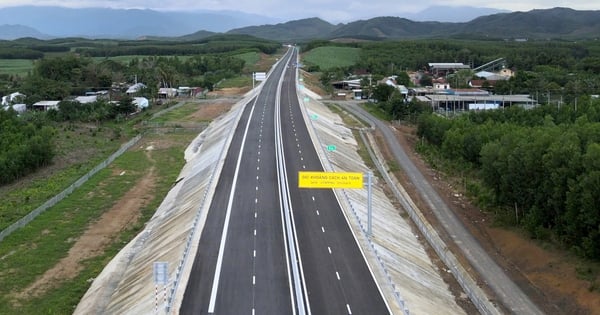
(29, 253)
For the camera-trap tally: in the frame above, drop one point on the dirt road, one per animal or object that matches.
(506, 291)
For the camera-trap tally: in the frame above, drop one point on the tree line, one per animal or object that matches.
(545, 69)
(27, 141)
(540, 168)
(60, 77)
(25, 146)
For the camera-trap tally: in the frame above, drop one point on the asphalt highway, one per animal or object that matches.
(267, 246)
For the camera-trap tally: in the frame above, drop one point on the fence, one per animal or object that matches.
(54, 200)
(473, 291)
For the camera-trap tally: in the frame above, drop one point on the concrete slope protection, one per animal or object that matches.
(283, 250)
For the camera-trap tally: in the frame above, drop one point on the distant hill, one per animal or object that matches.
(127, 24)
(549, 23)
(536, 24)
(391, 28)
(10, 32)
(289, 31)
(59, 22)
(455, 14)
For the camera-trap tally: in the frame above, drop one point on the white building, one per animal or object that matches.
(136, 88)
(87, 99)
(46, 105)
(141, 102)
(9, 99)
(167, 93)
(19, 108)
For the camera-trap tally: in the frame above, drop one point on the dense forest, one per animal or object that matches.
(540, 168)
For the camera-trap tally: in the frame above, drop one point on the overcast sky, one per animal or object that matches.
(330, 10)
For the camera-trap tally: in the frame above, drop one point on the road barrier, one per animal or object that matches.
(312, 130)
(475, 293)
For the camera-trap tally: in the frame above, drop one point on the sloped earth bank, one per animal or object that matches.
(97, 236)
(549, 277)
(125, 212)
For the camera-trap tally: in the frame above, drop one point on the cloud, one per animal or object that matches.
(331, 10)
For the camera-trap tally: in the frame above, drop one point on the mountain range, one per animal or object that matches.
(31, 21)
(556, 23)
(56, 22)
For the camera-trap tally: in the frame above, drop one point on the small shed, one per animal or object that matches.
(9, 99)
(136, 88)
(19, 108)
(45, 105)
(141, 102)
(86, 99)
(164, 93)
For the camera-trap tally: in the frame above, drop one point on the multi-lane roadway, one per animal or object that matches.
(269, 247)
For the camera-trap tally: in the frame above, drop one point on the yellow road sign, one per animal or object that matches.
(330, 180)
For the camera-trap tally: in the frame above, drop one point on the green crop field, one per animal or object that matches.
(332, 57)
(15, 66)
(250, 58)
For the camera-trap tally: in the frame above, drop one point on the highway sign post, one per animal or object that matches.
(258, 76)
(340, 180)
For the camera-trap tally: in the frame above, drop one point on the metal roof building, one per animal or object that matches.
(450, 102)
(443, 68)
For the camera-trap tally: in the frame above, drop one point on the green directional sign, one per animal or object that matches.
(331, 148)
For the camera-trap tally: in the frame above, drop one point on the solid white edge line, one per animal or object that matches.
(215, 287)
(309, 126)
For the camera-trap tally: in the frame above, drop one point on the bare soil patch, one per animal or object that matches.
(212, 110)
(228, 92)
(548, 276)
(125, 212)
(97, 236)
(312, 81)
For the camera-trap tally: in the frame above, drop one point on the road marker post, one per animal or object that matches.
(161, 277)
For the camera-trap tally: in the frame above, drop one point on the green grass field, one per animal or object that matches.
(31, 251)
(250, 58)
(237, 82)
(332, 57)
(16, 66)
(181, 114)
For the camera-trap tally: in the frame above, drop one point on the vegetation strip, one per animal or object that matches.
(56, 199)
